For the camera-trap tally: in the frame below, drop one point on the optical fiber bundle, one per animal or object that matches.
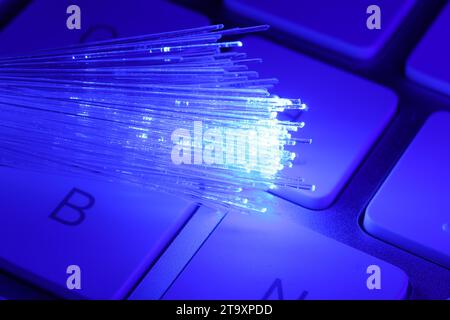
(178, 112)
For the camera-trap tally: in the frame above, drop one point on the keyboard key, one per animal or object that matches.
(111, 232)
(43, 23)
(412, 208)
(271, 256)
(429, 64)
(346, 116)
(329, 23)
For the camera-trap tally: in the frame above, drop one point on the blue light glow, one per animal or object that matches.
(171, 112)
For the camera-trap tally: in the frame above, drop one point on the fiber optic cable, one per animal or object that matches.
(177, 112)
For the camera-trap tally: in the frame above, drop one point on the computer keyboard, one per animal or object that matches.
(368, 147)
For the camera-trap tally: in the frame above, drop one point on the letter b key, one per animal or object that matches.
(50, 224)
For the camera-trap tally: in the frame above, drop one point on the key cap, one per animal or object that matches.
(112, 232)
(341, 27)
(412, 207)
(43, 23)
(346, 116)
(272, 256)
(429, 63)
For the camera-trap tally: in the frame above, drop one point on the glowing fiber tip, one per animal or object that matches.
(173, 112)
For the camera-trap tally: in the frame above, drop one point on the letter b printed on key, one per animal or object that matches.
(71, 211)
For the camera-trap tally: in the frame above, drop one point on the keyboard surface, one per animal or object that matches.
(373, 127)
